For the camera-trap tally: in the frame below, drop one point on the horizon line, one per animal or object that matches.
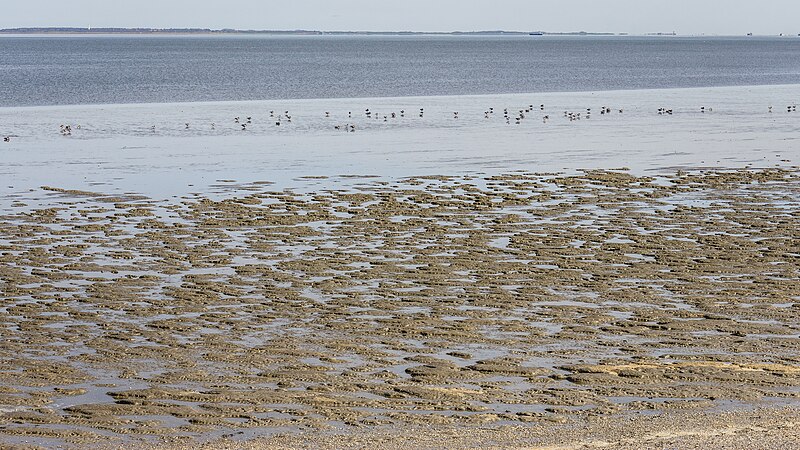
(201, 30)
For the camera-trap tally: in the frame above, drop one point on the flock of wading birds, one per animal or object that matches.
(516, 117)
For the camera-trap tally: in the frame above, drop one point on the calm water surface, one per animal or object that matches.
(56, 70)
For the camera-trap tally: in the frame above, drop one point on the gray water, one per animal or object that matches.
(64, 70)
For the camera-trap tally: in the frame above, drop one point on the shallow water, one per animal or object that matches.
(117, 151)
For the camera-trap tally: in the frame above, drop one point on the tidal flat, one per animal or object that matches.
(463, 302)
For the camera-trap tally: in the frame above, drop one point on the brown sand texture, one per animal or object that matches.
(597, 310)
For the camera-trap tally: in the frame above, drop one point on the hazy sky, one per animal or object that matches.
(633, 16)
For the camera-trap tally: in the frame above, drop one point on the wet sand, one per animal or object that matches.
(756, 429)
(447, 304)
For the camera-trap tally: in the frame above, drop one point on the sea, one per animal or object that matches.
(120, 69)
(168, 116)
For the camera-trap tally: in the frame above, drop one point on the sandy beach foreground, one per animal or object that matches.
(456, 305)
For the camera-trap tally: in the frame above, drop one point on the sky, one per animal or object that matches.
(731, 17)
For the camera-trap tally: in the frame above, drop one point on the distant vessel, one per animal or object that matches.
(537, 33)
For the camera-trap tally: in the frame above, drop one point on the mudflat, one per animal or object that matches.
(598, 309)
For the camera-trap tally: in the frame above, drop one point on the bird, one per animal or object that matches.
(7, 139)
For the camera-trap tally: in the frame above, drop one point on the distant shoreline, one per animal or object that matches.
(228, 31)
(113, 30)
